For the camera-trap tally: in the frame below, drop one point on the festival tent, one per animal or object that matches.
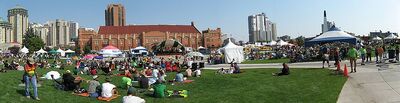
(24, 50)
(194, 54)
(69, 51)
(233, 53)
(271, 43)
(391, 36)
(332, 35)
(282, 43)
(41, 51)
(62, 52)
(139, 50)
(89, 56)
(52, 51)
(110, 51)
(377, 38)
(200, 47)
(168, 45)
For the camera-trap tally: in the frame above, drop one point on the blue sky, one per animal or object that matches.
(293, 17)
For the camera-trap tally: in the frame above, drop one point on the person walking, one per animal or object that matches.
(369, 54)
(363, 53)
(30, 77)
(352, 54)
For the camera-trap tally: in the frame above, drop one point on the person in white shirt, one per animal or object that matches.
(108, 89)
(131, 98)
(197, 73)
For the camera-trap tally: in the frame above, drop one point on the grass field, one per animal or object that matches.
(284, 60)
(256, 85)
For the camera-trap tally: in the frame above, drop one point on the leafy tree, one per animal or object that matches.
(32, 41)
(300, 40)
(87, 49)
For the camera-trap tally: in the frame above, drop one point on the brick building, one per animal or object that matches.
(211, 38)
(131, 36)
(85, 35)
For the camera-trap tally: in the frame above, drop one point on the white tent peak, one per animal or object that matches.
(391, 36)
(24, 50)
(233, 53)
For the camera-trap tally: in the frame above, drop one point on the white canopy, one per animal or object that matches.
(139, 48)
(62, 52)
(281, 43)
(41, 51)
(391, 36)
(24, 50)
(200, 47)
(69, 51)
(110, 51)
(194, 54)
(271, 43)
(233, 53)
(377, 38)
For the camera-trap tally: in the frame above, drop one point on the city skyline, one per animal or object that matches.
(292, 17)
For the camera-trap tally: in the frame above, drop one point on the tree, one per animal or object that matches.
(87, 49)
(32, 41)
(300, 40)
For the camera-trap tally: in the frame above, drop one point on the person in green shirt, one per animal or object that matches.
(352, 54)
(159, 89)
(126, 82)
(363, 51)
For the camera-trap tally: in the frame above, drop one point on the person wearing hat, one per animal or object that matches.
(93, 85)
(108, 89)
(131, 97)
(30, 77)
(68, 81)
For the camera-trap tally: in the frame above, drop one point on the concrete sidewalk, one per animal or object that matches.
(317, 64)
(372, 84)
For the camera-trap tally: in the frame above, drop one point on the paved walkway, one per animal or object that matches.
(371, 84)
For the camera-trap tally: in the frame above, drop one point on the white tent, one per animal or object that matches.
(110, 51)
(200, 47)
(69, 51)
(139, 50)
(194, 54)
(233, 53)
(377, 38)
(24, 50)
(41, 51)
(281, 43)
(62, 52)
(271, 43)
(391, 36)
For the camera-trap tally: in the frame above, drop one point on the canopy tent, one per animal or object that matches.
(233, 53)
(52, 51)
(110, 51)
(200, 47)
(271, 43)
(62, 52)
(332, 35)
(282, 43)
(377, 38)
(139, 50)
(24, 50)
(169, 45)
(194, 54)
(69, 51)
(99, 57)
(41, 51)
(391, 36)
(89, 56)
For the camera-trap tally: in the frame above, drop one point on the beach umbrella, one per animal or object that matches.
(55, 74)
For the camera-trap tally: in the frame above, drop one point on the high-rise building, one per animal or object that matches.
(41, 31)
(58, 32)
(115, 15)
(261, 28)
(274, 32)
(327, 24)
(18, 18)
(5, 31)
(73, 30)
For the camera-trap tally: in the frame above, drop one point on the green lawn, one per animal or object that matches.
(284, 60)
(256, 85)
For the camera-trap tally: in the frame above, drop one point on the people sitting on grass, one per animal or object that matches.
(143, 81)
(159, 89)
(284, 71)
(197, 72)
(108, 89)
(179, 77)
(67, 82)
(236, 68)
(93, 89)
(131, 97)
(188, 72)
(126, 82)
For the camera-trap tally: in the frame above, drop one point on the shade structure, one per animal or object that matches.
(24, 50)
(139, 50)
(391, 36)
(200, 47)
(69, 51)
(110, 51)
(62, 52)
(377, 38)
(168, 45)
(41, 51)
(233, 53)
(271, 43)
(52, 51)
(99, 57)
(282, 43)
(89, 56)
(194, 54)
(332, 35)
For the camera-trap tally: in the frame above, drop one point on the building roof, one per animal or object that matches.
(130, 29)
